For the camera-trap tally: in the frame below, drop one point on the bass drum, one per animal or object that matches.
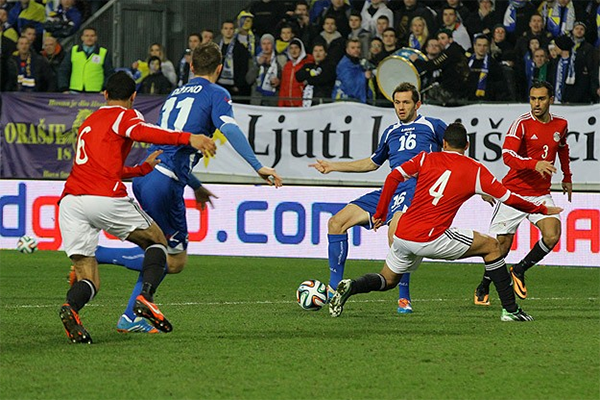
(394, 70)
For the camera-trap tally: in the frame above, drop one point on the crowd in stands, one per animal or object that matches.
(305, 52)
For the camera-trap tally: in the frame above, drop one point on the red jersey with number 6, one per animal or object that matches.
(445, 181)
(528, 141)
(103, 143)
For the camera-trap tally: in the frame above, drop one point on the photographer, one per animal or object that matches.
(64, 21)
(354, 79)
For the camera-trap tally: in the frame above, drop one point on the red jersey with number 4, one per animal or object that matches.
(528, 141)
(103, 142)
(445, 181)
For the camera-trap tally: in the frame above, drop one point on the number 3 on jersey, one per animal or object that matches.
(437, 190)
(184, 106)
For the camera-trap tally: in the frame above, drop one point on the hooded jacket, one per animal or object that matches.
(290, 91)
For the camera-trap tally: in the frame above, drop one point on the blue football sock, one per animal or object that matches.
(338, 252)
(137, 289)
(131, 258)
(403, 287)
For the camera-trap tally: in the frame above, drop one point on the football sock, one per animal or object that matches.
(131, 258)
(80, 294)
(338, 252)
(538, 252)
(498, 273)
(368, 283)
(486, 280)
(137, 289)
(155, 261)
(403, 287)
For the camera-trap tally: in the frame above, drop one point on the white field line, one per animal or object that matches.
(267, 302)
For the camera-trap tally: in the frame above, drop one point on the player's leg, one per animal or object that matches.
(504, 224)
(400, 260)
(337, 237)
(489, 249)
(80, 239)
(549, 225)
(404, 301)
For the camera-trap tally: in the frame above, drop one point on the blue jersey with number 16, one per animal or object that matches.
(198, 107)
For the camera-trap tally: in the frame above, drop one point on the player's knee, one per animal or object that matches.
(335, 225)
(494, 250)
(551, 238)
(175, 268)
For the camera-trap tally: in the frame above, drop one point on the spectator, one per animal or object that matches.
(318, 76)
(462, 12)
(300, 22)
(140, 69)
(269, 72)
(30, 33)
(340, 11)
(585, 87)
(317, 7)
(592, 20)
(517, 16)
(286, 34)
(358, 32)
(291, 90)
(390, 43)
(53, 53)
(86, 67)
(418, 33)
(524, 67)
(64, 21)
(540, 66)
(502, 50)
(244, 33)
(194, 40)
(9, 33)
(404, 16)
(536, 30)
(382, 24)
(562, 69)
(352, 80)
(235, 63)
(33, 72)
(267, 14)
(450, 21)
(155, 82)
(485, 80)
(332, 39)
(559, 15)
(375, 51)
(454, 69)
(429, 79)
(206, 36)
(28, 12)
(484, 20)
(371, 11)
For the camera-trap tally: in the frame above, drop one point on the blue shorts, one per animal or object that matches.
(162, 198)
(400, 201)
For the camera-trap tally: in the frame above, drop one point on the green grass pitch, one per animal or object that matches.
(239, 334)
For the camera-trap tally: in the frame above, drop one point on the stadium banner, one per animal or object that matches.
(39, 131)
(291, 221)
(289, 139)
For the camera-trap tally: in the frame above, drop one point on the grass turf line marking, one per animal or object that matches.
(267, 302)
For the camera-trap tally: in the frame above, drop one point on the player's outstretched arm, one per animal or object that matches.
(203, 143)
(144, 168)
(270, 176)
(364, 165)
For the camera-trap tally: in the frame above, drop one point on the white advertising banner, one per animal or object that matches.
(292, 222)
(289, 139)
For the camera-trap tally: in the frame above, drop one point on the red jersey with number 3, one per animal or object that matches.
(528, 141)
(103, 143)
(445, 181)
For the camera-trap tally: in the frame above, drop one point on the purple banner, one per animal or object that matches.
(39, 131)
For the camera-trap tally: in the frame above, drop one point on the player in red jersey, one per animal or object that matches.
(95, 198)
(445, 181)
(530, 150)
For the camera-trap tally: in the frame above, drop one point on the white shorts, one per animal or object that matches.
(405, 256)
(81, 219)
(506, 219)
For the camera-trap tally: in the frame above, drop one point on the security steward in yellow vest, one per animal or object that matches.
(86, 67)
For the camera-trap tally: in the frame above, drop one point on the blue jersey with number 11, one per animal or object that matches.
(198, 107)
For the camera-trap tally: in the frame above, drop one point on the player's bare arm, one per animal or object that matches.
(153, 159)
(545, 167)
(270, 176)
(204, 197)
(204, 144)
(364, 165)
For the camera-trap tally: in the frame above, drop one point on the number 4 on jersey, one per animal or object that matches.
(437, 190)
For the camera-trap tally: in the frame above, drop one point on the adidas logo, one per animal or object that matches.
(534, 136)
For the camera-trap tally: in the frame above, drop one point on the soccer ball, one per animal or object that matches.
(311, 295)
(27, 244)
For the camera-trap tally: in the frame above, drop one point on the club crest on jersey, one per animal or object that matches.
(556, 137)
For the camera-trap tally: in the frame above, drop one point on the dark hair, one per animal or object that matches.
(89, 28)
(120, 86)
(456, 135)
(407, 87)
(321, 43)
(390, 29)
(206, 58)
(481, 36)
(355, 13)
(448, 7)
(384, 17)
(155, 58)
(543, 84)
(199, 36)
(28, 26)
(227, 21)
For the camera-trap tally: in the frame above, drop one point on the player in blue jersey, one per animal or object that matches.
(200, 106)
(399, 143)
